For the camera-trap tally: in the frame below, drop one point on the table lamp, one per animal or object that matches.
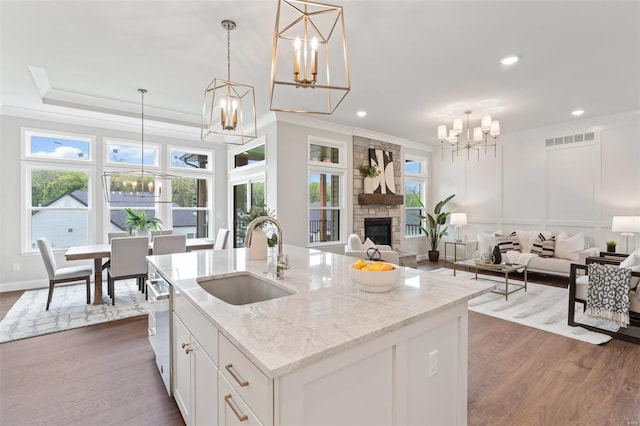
(458, 220)
(626, 225)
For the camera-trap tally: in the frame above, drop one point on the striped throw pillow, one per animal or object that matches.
(544, 247)
(504, 244)
(515, 240)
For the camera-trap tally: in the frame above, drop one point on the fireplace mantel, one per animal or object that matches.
(384, 199)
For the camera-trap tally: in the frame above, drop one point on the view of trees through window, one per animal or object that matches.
(49, 185)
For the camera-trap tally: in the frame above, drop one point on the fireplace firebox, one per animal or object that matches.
(378, 229)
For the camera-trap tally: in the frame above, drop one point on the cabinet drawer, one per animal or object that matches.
(254, 388)
(198, 325)
(231, 408)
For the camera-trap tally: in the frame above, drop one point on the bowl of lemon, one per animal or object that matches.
(374, 277)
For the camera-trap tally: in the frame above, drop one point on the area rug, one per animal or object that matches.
(68, 309)
(541, 306)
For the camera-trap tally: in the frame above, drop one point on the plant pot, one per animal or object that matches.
(434, 255)
(611, 249)
(370, 185)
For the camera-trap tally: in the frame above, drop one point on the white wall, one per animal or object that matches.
(32, 272)
(291, 210)
(575, 187)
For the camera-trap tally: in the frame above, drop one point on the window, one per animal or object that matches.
(58, 206)
(189, 159)
(250, 156)
(248, 195)
(190, 207)
(128, 153)
(325, 190)
(415, 190)
(324, 207)
(57, 172)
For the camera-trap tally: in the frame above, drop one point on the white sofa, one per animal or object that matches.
(356, 248)
(567, 250)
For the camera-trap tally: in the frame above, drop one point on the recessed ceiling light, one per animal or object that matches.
(510, 60)
(577, 113)
(361, 113)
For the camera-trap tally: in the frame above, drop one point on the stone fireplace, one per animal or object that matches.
(373, 210)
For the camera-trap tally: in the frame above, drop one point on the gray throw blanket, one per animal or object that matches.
(608, 293)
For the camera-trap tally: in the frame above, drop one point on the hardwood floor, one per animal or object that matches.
(105, 374)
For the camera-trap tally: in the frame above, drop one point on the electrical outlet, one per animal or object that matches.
(16, 267)
(433, 362)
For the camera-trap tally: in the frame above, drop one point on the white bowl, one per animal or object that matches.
(375, 281)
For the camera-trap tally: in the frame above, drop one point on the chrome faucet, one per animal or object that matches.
(282, 262)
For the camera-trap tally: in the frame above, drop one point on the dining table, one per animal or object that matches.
(98, 252)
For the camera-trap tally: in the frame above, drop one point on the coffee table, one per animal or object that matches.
(503, 268)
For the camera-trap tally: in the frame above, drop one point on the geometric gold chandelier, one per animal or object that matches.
(228, 108)
(310, 67)
(451, 140)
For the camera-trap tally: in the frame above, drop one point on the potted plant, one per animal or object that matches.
(140, 222)
(368, 173)
(611, 246)
(436, 225)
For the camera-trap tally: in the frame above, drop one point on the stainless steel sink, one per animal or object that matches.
(241, 289)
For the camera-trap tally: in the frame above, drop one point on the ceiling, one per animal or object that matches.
(414, 64)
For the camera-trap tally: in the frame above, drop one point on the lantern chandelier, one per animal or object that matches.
(309, 68)
(228, 108)
(480, 140)
(126, 187)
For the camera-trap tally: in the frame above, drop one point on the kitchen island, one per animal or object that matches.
(327, 354)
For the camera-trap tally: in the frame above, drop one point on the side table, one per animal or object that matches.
(465, 244)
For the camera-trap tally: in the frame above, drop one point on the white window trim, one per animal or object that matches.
(26, 133)
(421, 177)
(167, 213)
(107, 142)
(25, 184)
(342, 152)
(178, 170)
(342, 208)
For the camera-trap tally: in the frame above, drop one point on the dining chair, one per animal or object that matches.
(128, 260)
(166, 244)
(221, 239)
(112, 235)
(161, 232)
(62, 275)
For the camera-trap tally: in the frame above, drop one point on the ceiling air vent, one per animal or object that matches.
(570, 139)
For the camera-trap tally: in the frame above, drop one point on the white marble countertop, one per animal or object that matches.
(327, 314)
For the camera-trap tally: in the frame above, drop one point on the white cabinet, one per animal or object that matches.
(195, 373)
(231, 407)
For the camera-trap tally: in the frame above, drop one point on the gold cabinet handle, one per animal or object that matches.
(187, 348)
(242, 418)
(241, 382)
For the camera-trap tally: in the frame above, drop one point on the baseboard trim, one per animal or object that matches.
(23, 285)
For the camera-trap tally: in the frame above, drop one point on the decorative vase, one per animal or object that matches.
(258, 249)
(611, 249)
(434, 255)
(142, 232)
(369, 185)
(497, 256)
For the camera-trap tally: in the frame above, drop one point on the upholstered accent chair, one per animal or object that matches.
(578, 290)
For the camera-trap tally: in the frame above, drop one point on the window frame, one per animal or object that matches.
(339, 169)
(26, 133)
(423, 179)
(178, 170)
(27, 169)
(114, 165)
(168, 212)
(249, 168)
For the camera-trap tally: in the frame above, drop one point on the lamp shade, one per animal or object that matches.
(458, 219)
(625, 224)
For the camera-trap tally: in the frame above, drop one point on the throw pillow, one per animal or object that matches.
(508, 243)
(569, 247)
(544, 246)
(632, 260)
(486, 241)
(368, 244)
